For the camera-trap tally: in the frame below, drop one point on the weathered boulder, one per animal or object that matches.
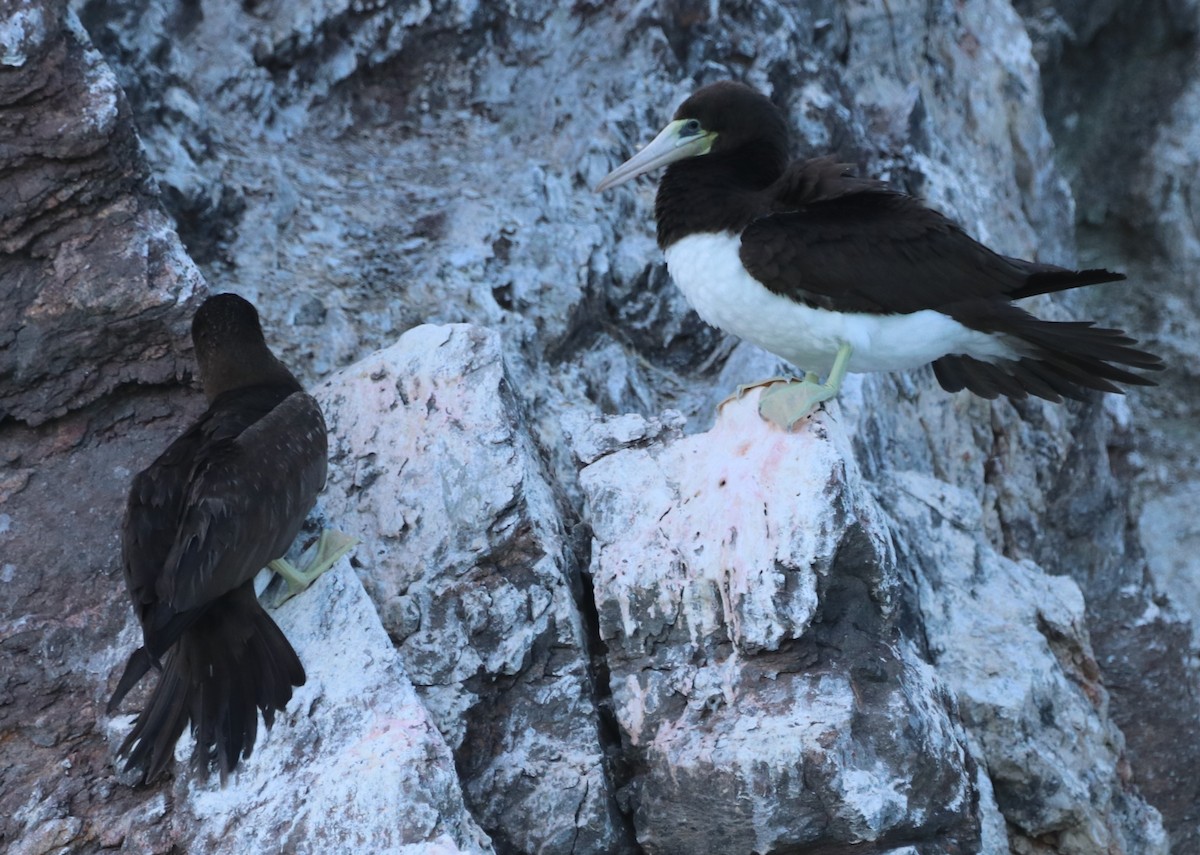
(1033, 701)
(747, 594)
(468, 557)
(354, 757)
(97, 290)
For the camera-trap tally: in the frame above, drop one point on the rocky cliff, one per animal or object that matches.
(588, 611)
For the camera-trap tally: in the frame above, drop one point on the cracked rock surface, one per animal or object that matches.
(472, 568)
(747, 591)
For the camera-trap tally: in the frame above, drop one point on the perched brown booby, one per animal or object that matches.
(836, 273)
(225, 499)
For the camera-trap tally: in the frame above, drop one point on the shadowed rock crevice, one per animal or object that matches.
(618, 764)
(473, 576)
(1111, 65)
(206, 213)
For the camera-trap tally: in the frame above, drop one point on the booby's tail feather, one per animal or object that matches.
(232, 663)
(1047, 278)
(140, 661)
(1053, 359)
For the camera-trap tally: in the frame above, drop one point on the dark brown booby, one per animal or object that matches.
(836, 273)
(224, 500)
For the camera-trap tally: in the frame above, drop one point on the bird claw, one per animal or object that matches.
(786, 404)
(743, 388)
(330, 548)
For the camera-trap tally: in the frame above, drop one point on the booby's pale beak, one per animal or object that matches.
(681, 139)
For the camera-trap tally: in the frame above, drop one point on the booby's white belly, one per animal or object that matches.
(708, 270)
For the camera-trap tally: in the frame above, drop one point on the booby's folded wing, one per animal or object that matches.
(153, 509)
(245, 503)
(854, 245)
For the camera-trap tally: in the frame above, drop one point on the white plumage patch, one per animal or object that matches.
(708, 270)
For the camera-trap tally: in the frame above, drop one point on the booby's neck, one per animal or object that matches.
(243, 365)
(716, 192)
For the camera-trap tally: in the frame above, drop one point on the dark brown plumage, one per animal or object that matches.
(224, 499)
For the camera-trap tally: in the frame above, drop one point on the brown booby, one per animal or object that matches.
(224, 500)
(835, 273)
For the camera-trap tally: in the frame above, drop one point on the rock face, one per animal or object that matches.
(750, 600)
(472, 570)
(586, 614)
(1138, 197)
(372, 769)
(747, 594)
(89, 262)
(1036, 704)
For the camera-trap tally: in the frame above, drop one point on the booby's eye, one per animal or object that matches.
(691, 127)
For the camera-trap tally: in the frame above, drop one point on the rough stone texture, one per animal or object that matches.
(66, 628)
(63, 609)
(354, 757)
(471, 568)
(746, 590)
(89, 262)
(95, 296)
(1036, 704)
(360, 169)
(1124, 104)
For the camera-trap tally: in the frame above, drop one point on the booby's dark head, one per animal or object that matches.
(230, 347)
(722, 119)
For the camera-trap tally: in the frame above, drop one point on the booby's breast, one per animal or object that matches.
(708, 269)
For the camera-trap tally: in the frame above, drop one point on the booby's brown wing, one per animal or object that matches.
(245, 503)
(155, 504)
(854, 245)
(819, 179)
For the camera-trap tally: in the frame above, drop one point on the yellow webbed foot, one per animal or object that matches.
(330, 547)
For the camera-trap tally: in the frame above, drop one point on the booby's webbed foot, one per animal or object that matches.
(329, 549)
(743, 388)
(786, 404)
